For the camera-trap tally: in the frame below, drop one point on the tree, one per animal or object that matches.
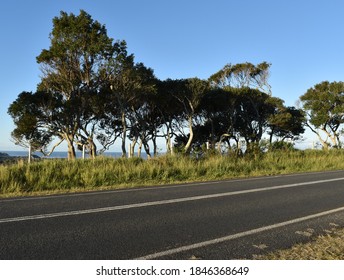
(287, 123)
(90, 115)
(249, 101)
(220, 110)
(30, 132)
(189, 95)
(243, 75)
(253, 110)
(74, 65)
(169, 110)
(324, 105)
(129, 82)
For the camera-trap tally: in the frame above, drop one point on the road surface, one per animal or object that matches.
(210, 220)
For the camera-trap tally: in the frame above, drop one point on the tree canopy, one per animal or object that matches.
(92, 93)
(324, 104)
(73, 69)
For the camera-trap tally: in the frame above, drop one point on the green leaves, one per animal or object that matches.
(324, 104)
(92, 88)
(243, 75)
(79, 49)
(287, 122)
(26, 115)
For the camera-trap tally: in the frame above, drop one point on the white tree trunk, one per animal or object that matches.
(187, 148)
(30, 154)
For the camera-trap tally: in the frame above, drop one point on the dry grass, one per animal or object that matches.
(325, 247)
(56, 176)
(61, 176)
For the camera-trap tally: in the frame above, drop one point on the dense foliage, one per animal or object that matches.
(324, 104)
(92, 93)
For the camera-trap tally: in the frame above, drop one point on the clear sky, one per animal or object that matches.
(184, 38)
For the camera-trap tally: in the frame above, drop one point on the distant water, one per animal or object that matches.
(63, 154)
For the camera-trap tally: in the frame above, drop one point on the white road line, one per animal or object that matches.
(236, 236)
(160, 202)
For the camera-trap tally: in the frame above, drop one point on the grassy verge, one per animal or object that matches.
(61, 176)
(325, 247)
(54, 176)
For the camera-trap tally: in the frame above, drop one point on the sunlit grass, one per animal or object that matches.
(49, 176)
(329, 246)
(61, 176)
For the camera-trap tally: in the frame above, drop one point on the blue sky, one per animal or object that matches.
(184, 38)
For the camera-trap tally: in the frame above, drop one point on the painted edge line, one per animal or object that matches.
(159, 202)
(235, 236)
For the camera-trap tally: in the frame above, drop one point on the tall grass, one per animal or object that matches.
(49, 176)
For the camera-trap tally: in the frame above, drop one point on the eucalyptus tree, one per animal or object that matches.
(324, 105)
(91, 114)
(286, 123)
(109, 121)
(143, 105)
(169, 108)
(129, 82)
(147, 120)
(73, 67)
(30, 131)
(253, 109)
(155, 117)
(190, 94)
(250, 102)
(141, 128)
(219, 109)
(243, 75)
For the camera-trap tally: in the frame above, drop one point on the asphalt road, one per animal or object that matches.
(214, 220)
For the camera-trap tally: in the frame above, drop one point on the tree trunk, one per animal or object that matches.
(93, 149)
(187, 148)
(168, 141)
(30, 154)
(333, 137)
(339, 145)
(271, 135)
(322, 141)
(155, 147)
(71, 149)
(139, 149)
(124, 135)
(83, 151)
(213, 135)
(146, 147)
(132, 148)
